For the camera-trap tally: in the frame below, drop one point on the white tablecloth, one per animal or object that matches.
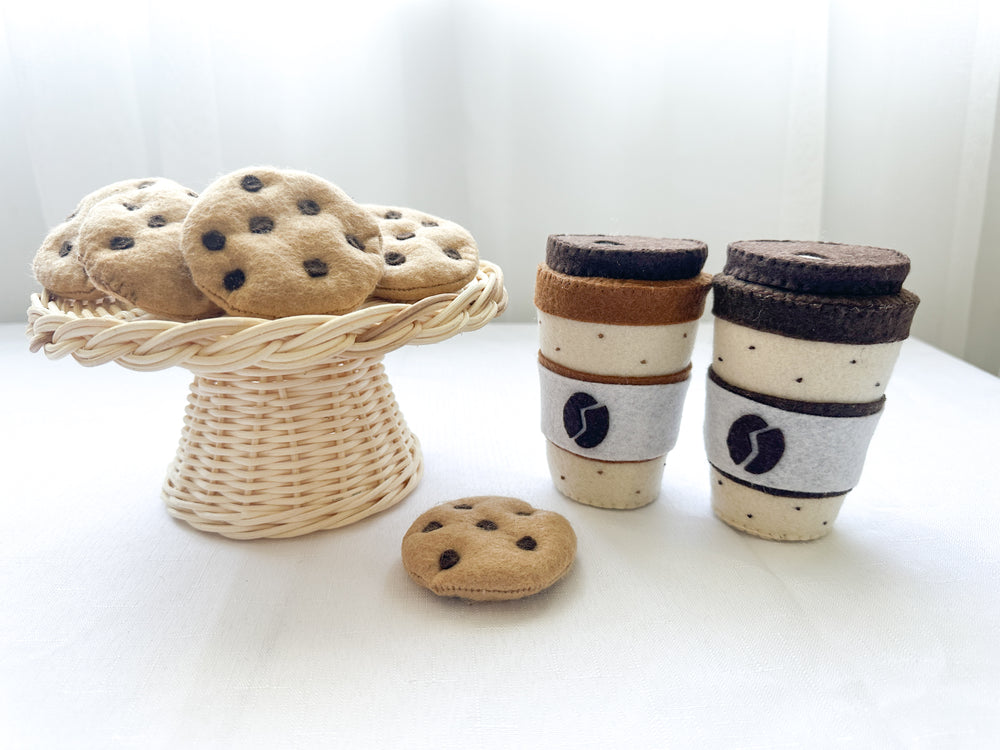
(122, 627)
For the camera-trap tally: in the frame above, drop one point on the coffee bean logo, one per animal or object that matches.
(753, 440)
(586, 420)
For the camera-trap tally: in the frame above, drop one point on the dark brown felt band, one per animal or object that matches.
(815, 408)
(779, 493)
(628, 302)
(588, 377)
(818, 267)
(842, 320)
(625, 256)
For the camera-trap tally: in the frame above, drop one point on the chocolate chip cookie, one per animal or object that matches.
(488, 548)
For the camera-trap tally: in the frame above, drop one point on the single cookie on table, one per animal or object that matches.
(57, 264)
(130, 248)
(488, 548)
(268, 242)
(424, 254)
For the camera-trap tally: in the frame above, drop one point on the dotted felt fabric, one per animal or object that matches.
(130, 247)
(269, 242)
(57, 265)
(488, 548)
(423, 254)
(625, 256)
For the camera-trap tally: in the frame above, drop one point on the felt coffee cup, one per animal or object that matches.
(806, 338)
(617, 322)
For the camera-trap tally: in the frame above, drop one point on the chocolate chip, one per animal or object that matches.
(751, 347)
(527, 543)
(213, 240)
(393, 215)
(393, 258)
(131, 206)
(751, 439)
(854, 361)
(308, 207)
(407, 236)
(234, 280)
(156, 221)
(315, 267)
(463, 506)
(251, 183)
(525, 512)
(487, 525)
(449, 559)
(453, 253)
(121, 243)
(261, 224)
(749, 515)
(192, 193)
(798, 380)
(66, 249)
(798, 507)
(586, 421)
(432, 526)
(429, 223)
(354, 241)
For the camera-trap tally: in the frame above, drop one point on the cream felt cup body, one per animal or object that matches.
(801, 369)
(617, 324)
(806, 338)
(609, 349)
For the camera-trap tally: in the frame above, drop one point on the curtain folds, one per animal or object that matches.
(854, 121)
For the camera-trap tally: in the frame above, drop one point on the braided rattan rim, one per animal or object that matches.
(291, 425)
(97, 333)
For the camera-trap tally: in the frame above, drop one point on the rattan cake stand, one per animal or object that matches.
(291, 425)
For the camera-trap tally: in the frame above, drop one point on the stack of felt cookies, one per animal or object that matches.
(259, 242)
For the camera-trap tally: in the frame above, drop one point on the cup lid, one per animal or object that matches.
(625, 256)
(818, 267)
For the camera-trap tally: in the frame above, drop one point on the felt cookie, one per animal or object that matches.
(130, 248)
(423, 254)
(57, 264)
(269, 242)
(488, 548)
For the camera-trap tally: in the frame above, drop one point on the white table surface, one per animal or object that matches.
(122, 627)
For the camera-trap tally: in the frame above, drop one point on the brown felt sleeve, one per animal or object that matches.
(620, 301)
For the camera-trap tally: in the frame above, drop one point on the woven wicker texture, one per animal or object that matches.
(291, 424)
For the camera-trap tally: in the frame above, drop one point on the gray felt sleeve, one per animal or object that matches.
(610, 421)
(783, 451)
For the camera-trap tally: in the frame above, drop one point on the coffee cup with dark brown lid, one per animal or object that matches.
(617, 322)
(806, 336)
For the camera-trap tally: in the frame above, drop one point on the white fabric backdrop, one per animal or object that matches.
(853, 120)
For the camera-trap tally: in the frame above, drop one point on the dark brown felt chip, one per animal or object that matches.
(625, 256)
(818, 267)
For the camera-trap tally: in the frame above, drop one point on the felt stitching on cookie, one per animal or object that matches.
(488, 548)
(130, 247)
(268, 242)
(423, 254)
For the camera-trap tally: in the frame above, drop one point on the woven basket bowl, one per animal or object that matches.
(291, 425)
